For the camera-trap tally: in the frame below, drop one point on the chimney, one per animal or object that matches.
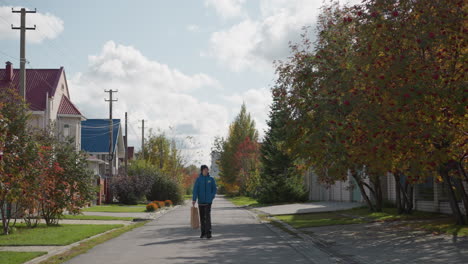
(9, 71)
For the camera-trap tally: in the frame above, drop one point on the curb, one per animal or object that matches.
(68, 247)
(308, 250)
(159, 214)
(334, 256)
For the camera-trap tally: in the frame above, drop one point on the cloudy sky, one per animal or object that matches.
(183, 66)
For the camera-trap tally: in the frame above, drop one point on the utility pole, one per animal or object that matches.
(143, 139)
(111, 131)
(126, 144)
(23, 29)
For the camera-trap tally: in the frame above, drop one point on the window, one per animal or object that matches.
(66, 130)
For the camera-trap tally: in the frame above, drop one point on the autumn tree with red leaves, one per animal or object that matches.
(238, 156)
(17, 150)
(383, 90)
(246, 159)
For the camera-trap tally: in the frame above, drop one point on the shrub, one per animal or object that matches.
(168, 203)
(161, 204)
(165, 189)
(162, 188)
(131, 189)
(151, 207)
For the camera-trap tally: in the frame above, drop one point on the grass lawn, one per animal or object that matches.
(351, 216)
(85, 246)
(389, 214)
(13, 257)
(318, 219)
(187, 196)
(442, 226)
(115, 208)
(248, 201)
(96, 217)
(243, 201)
(52, 235)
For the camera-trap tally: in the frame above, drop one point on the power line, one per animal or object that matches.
(8, 55)
(116, 124)
(134, 132)
(49, 48)
(40, 76)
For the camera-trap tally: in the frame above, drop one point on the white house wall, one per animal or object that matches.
(74, 124)
(54, 102)
(36, 120)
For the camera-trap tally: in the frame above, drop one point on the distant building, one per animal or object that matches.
(49, 100)
(131, 153)
(95, 135)
(214, 168)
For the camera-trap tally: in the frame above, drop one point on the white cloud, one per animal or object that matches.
(258, 103)
(193, 28)
(255, 44)
(227, 9)
(48, 26)
(157, 93)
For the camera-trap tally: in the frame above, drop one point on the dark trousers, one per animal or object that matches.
(205, 218)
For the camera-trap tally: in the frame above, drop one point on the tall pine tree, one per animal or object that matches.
(279, 181)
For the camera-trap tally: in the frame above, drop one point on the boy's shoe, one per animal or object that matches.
(208, 236)
(202, 235)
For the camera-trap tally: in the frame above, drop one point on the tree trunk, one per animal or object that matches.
(452, 198)
(377, 186)
(398, 201)
(462, 172)
(363, 192)
(405, 196)
(463, 194)
(410, 206)
(5, 222)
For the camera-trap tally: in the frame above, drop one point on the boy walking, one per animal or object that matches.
(205, 191)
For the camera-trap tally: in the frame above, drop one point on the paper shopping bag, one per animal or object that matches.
(194, 218)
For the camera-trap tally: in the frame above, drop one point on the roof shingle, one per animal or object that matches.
(67, 107)
(39, 82)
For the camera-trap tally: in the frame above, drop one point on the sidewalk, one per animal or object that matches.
(312, 207)
(152, 215)
(86, 222)
(55, 250)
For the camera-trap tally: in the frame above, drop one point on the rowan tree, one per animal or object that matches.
(18, 149)
(382, 91)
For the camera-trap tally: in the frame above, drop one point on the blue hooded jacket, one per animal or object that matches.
(204, 189)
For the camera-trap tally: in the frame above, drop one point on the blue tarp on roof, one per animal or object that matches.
(95, 135)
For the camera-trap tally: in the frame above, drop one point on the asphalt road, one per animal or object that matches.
(237, 238)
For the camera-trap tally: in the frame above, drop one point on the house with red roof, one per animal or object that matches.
(49, 100)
